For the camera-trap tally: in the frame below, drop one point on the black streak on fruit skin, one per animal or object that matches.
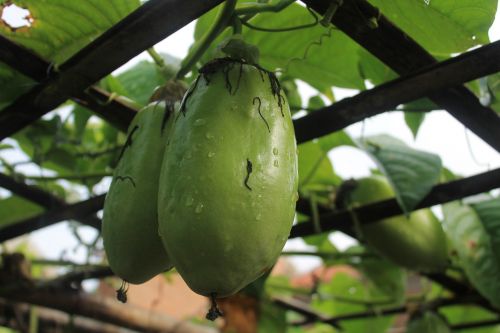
(227, 65)
(124, 178)
(188, 94)
(128, 142)
(258, 109)
(169, 109)
(249, 171)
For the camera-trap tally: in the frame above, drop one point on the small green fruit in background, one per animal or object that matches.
(417, 242)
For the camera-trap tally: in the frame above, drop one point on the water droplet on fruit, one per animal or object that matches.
(275, 151)
(276, 163)
(295, 197)
(199, 208)
(200, 122)
(211, 154)
(209, 136)
(189, 201)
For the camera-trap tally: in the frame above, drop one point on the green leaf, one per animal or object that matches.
(474, 249)
(373, 69)
(489, 215)
(334, 140)
(80, 118)
(292, 93)
(314, 328)
(60, 28)
(457, 314)
(271, 318)
(387, 277)
(442, 27)
(14, 209)
(139, 82)
(12, 85)
(315, 102)
(315, 168)
(413, 120)
(346, 293)
(493, 82)
(411, 172)
(429, 322)
(332, 63)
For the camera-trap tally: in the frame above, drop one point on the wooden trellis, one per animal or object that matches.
(420, 76)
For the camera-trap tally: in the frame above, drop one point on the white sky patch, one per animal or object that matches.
(16, 17)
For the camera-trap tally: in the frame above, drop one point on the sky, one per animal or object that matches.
(461, 151)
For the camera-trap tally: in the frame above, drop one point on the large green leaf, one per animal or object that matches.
(442, 26)
(474, 249)
(489, 215)
(411, 172)
(316, 55)
(14, 209)
(59, 29)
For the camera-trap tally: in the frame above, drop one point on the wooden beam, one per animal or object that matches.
(428, 81)
(75, 211)
(370, 213)
(41, 197)
(401, 53)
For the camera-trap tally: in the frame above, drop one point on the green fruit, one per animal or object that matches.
(228, 183)
(130, 221)
(417, 242)
(429, 322)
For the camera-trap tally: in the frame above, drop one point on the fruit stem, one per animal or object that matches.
(221, 22)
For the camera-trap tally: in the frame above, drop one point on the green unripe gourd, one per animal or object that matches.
(130, 222)
(417, 242)
(228, 186)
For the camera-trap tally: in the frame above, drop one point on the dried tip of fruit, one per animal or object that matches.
(214, 312)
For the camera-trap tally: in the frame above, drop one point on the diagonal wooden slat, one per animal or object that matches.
(31, 65)
(401, 53)
(425, 82)
(75, 211)
(159, 18)
(442, 193)
(42, 197)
